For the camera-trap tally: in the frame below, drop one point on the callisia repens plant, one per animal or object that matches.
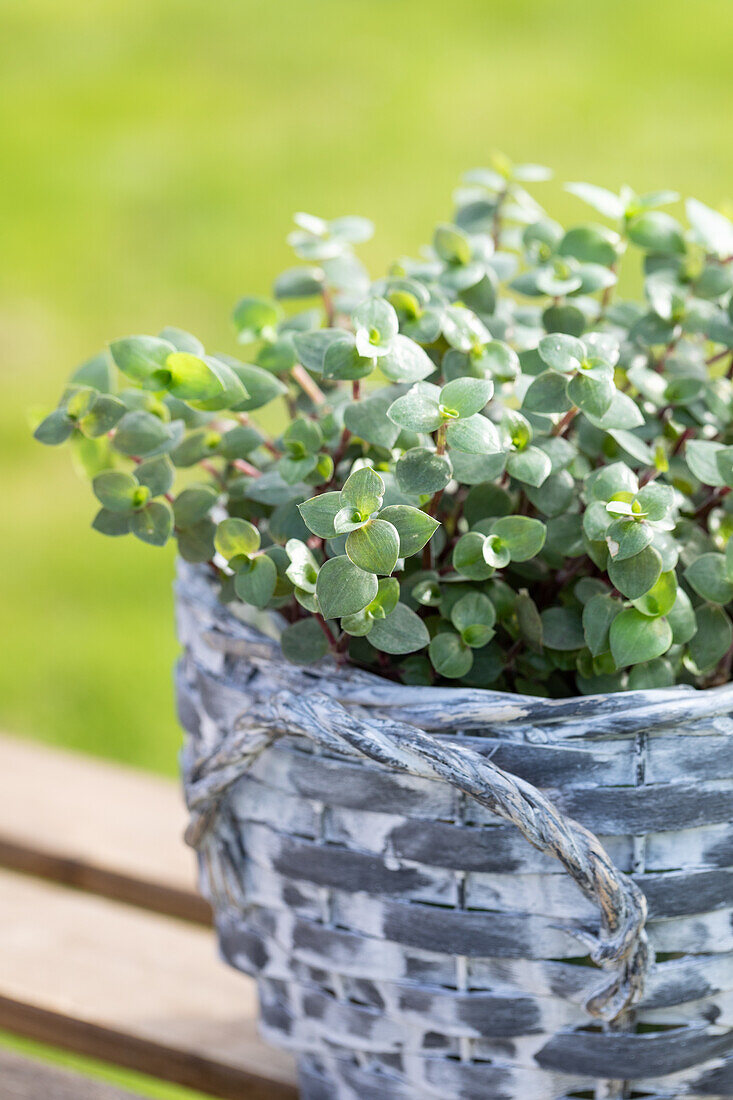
(493, 468)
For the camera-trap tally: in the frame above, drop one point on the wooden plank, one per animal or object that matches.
(101, 827)
(23, 1079)
(134, 988)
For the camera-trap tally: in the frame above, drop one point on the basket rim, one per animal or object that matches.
(257, 638)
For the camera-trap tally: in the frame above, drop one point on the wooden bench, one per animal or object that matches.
(106, 948)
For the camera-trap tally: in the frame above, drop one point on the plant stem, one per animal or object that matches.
(211, 469)
(306, 383)
(496, 220)
(565, 421)
(356, 389)
(440, 439)
(688, 433)
(245, 421)
(246, 468)
(328, 307)
(326, 630)
(707, 506)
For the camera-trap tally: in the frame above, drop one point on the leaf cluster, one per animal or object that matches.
(494, 469)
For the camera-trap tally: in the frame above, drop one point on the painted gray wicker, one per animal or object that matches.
(405, 873)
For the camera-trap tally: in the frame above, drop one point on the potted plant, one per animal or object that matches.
(465, 611)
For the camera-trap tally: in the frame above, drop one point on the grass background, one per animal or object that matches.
(152, 154)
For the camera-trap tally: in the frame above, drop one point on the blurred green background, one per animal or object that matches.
(152, 154)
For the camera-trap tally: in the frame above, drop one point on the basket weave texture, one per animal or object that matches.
(459, 895)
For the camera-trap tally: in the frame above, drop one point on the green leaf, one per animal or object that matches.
(139, 357)
(656, 231)
(402, 631)
(420, 470)
(701, 457)
(709, 577)
(627, 537)
(119, 492)
(254, 317)
(386, 598)
(621, 413)
(590, 244)
(303, 568)
(635, 576)
(142, 433)
(194, 504)
(529, 621)
(681, 618)
(452, 245)
(661, 597)
(405, 361)
(343, 588)
(343, 361)
(598, 614)
(466, 396)
(591, 392)
(561, 352)
(98, 372)
(547, 394)
(712, 639)
(599, 198)
(363, 492)
(235, 537)
(181, 340)
(303, 643)
(376, 325)
(368, 420)
(189, 377)
(474, 616)
(711, 229)
(522, 536)
(255, 580)
(153, 523)
(562, 629)
(113, 524)
(157, 474)
(414, 527)
(299, 282)
(302, 437)
(261, 385)
(320, 512)
(724, 461)
(656, 500)
(495, 552)
(468, 557)
(196, 543)
(54, 429)
(652, 674)
(239, 442)
(635, 638)
(450, 656)
(103, 415)
(374, 547)
(418, 410)
(311, 347)
(531, 466)
(474, 435)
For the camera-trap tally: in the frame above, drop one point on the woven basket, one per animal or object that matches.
(412, 875)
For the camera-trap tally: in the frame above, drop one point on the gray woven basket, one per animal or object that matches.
(405, 873)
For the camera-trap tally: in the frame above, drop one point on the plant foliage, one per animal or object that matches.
(496, 470)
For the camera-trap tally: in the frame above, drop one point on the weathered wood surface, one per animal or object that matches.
(24, 1079)
(386, 912)
(135, 988)
(97, 826)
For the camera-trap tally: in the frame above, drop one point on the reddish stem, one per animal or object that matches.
(565, 421)
(246, 468)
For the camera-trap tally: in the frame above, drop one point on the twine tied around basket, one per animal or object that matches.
(620, 946)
